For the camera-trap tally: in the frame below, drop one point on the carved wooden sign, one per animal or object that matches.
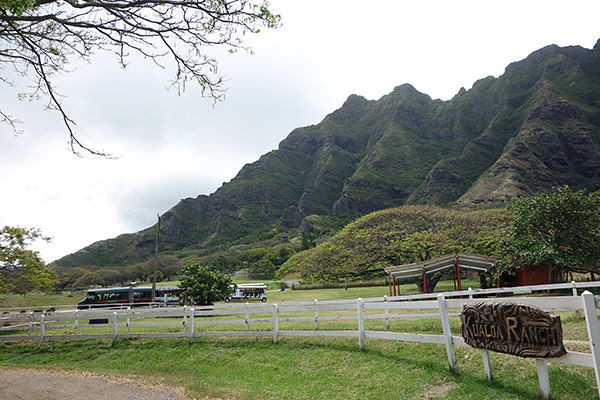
(516, 329)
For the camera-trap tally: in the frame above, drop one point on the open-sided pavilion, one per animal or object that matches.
(456, 262)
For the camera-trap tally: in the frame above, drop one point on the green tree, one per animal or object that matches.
(223, 261)
(560, 229)
(43, 37)
(398, 236)
(203, 286)
(22, 269)
(262, 269)
(168, 265)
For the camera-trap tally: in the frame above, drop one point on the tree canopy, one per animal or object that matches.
(203, 286)
(21, 269)
(399, 236)
(560, 229)
(41, 37)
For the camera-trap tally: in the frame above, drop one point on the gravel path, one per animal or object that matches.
(28, 385)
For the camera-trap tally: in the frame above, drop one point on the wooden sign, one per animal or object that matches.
(516, 329)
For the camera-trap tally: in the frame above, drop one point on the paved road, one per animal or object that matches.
(28, 385)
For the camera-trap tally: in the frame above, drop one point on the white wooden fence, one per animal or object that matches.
(236, 320)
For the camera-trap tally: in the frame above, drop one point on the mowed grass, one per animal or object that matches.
(300, 368)
(313, 368)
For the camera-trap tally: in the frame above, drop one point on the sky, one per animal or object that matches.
(173, 146)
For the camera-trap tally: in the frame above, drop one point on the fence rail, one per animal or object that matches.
(267, 320)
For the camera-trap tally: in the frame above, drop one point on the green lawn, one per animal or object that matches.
(312, 368)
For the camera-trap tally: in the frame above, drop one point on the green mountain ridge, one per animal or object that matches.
(534, 127)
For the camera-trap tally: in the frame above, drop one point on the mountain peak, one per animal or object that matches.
(535, 127)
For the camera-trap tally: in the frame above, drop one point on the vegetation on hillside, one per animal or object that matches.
(399, 236)
(535, 127)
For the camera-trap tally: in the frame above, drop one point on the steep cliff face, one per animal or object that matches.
(534, 127)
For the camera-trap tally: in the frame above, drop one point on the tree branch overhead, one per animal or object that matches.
(38, 38)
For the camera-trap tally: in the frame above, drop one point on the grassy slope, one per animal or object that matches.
(302, 368)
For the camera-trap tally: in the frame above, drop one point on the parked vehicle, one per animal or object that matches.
(124, 295)
(249, 291)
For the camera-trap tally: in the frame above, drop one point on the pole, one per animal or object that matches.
(153, 297)
(458, 275)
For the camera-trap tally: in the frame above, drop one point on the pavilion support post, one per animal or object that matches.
(390, 283)
(458, 275)
(424, 281)
(454, 280)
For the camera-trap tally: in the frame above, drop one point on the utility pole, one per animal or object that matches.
(153, 298)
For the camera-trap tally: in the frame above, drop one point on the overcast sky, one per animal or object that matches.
(173, 147)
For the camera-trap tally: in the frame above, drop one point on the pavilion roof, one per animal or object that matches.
(465, 261)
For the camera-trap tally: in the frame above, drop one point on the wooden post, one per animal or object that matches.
(114, 327)
(30, 326)
(275, 324)
(455, 278)
(42, 329)
(184, 317)
(591, 320)
(487, 364)
(316, 315)
(247, 317)
(424, 281)
(458, 275)
(361, 325)
(542, 368)
(191, 327)
(390, 283)
(387, 313)
(574, 288)
(447, 332)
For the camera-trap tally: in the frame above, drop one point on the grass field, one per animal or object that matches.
(315, 368)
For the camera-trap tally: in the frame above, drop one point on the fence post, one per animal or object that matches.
(542, 368)
(30, 328)
(574, 287)
(387, 313)
(361, 325)
(487, 364)
(184, 317)
(247, 317)
(591, 319)
(316, 315)
(447, 332)
(191, 327)
(114, 326)
(275, 324)
(470, 292)
(76, 321)
(42, 329)
(128, 319)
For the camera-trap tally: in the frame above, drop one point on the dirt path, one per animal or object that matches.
(28, 385)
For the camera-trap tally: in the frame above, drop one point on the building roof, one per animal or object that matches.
(465, 261)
